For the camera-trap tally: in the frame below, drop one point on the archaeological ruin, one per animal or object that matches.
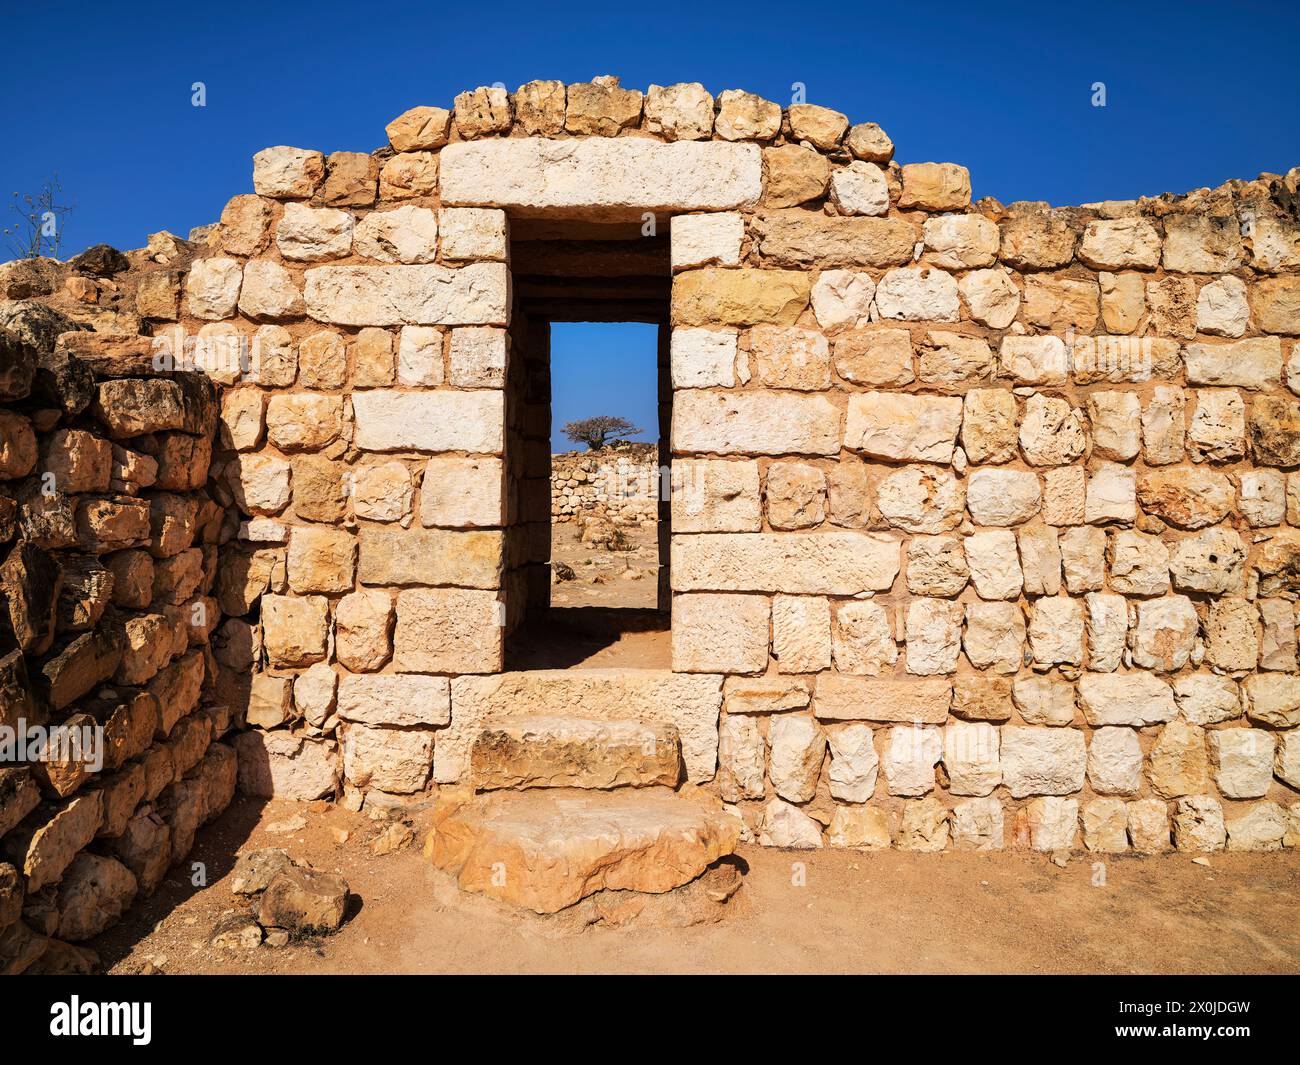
(983, 530)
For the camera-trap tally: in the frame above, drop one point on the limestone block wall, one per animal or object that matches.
(108, 541)
(984, 517)
(620, 484)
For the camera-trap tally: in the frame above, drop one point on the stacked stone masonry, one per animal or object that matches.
(620, 484)
(985, 522)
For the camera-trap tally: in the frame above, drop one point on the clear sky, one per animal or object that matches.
(604, 368)
(100, 93)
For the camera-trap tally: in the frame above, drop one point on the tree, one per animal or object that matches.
(40, 231)
(597, 432)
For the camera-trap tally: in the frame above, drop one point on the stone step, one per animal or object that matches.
(560, 751)
(546, 850)
(690, 702)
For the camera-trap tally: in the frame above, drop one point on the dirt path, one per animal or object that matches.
(857, 912)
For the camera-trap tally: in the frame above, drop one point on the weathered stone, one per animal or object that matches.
(1232, 635)
(1043, 700)
(988, 430)
(911, 753)
(977, 824)
(798, 747)
(1186, 497)
(707, 240)
(995, 636)
(804, 239)
(1263, 827)
(1165, 633)
(935, 187)
(1243, 761)
(1207, 699)
(950, 360)
(605, 177)
(922, 499)
(1198, 824)
(903, 427)
(842, 299)
(795, 175)
(1148, 826)
(284, 766)
(1002, 497)
(710, 496)
(1105, 826)
(1255, 363)
(847, 698)
(819, 563)
(854, 764)
(801, 633)
(936, 565)
(742, 759)
(681, 112)
(788, 826)
(970, 756)
(994, 564)
(1049, 824)
(1042, 761)
(452, 630)
(1107, 630)
(1051, 433)
(304, 901)
(1125, 699)
(1179, 762)
(724, 633)
(1040, 559)
(790, 358)
(860, 188)
(918, 294)
(650, 841)
(861, 639)
(1120, 243)
(933, 636)
(713, 297)
(865, 827)
(690, 702)
(924, 826)
(1115, 762)
(991, 297)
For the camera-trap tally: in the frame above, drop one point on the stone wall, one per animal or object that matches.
(109, 556)
(618, 484)
(985, 517)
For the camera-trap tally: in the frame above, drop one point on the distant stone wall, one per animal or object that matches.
(618, 484)
(109, 534)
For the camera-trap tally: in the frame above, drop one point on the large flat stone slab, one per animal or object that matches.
(821, 563)
(562, 751)
(387, 420)
(475, 294)
(755, 423)
(601, 178)
(546, 850)
(690, 702)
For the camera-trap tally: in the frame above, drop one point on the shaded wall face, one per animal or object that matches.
(995, 505)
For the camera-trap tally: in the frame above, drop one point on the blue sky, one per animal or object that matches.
(1196, 93)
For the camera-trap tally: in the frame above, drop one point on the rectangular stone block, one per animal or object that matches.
(903, 427)
(692, 702)
(715, 495)
(459, 492)
(601, 178)
(400, 699)
(426, 294)
(819, 563)
(803, 239)
(430, 421)
(720, 633)
(851, 698)
(739, 297)
(755, 423)
(449, 630)
(466, 559)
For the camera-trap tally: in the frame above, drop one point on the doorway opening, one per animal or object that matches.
(588, 412)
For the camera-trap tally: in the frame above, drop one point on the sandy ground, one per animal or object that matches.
(855, 912)
(604, 617)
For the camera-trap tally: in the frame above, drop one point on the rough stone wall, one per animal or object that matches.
(109, 555)
(618, 484)
(987, 515)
